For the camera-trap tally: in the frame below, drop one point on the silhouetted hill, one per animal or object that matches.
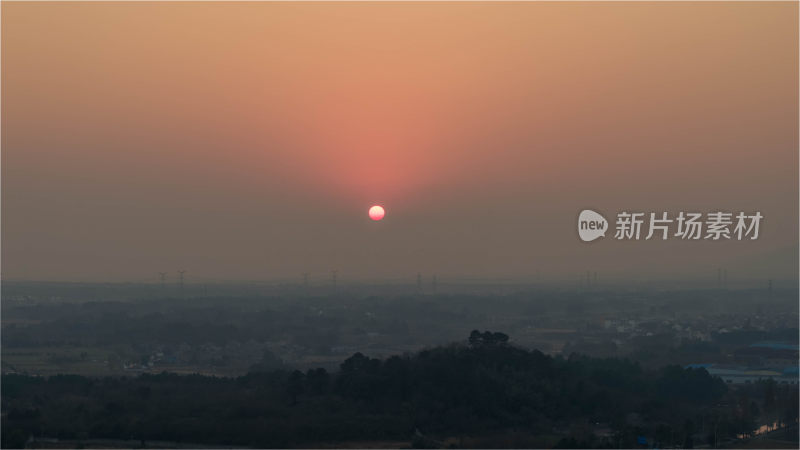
(440, 396)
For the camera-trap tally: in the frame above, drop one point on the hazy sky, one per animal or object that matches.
(248, 140)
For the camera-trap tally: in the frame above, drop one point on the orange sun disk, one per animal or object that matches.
(376, 212)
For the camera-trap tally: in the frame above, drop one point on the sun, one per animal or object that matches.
(376, 212)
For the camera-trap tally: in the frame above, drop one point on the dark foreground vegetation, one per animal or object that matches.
(481, 393)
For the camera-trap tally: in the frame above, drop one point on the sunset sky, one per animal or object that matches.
(248, 140)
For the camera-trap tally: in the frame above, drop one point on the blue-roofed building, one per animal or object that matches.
(699, 366)
(776, 345)
(768, 354)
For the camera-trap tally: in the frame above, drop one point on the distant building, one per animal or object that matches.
(746, 375)
(768, 354)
